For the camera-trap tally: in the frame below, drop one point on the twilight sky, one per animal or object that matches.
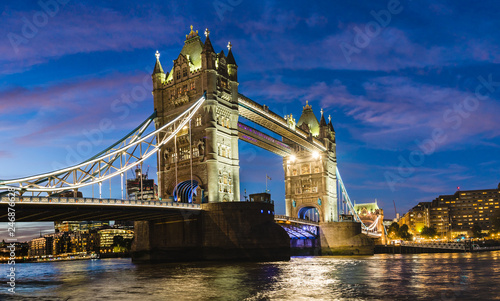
(412, 86)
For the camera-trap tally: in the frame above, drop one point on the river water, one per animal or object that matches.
(453, 276)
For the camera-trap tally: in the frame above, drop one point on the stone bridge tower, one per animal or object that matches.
(210, 153)
(310, 177)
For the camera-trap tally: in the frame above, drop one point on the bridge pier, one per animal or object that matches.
(221, 231)
(344, 238)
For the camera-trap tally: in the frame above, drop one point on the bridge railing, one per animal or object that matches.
(435, 245)
(97, 201)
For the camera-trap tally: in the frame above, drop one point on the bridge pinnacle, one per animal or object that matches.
(229, 45)
(330, 118)
(157, 54)
(207, 32)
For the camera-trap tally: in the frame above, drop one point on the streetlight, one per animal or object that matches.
(315, 155)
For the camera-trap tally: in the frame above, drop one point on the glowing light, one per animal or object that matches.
(293, 158)
(315, 155)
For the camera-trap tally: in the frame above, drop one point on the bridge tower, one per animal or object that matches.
(201, 166)
(310, 177)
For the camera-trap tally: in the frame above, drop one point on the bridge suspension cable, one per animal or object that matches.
(117, 159)
(348, 201)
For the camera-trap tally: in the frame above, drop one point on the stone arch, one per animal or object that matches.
(183, 178)
(310, 212)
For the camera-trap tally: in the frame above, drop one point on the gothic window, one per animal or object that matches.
(184, 72)
(297, 190)
(196, 152)
(185, 88)
(295, 172)
(198, 120)
(193, 85)
(178, 75)
(180, 90)
(225, 179)
(218, 152)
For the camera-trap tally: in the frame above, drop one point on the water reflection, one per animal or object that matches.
(454, 276)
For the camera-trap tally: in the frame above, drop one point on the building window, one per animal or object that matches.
(198, 120)
(184, 72)
(178, 75)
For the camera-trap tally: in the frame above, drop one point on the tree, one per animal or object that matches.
(393, 231)
(476, 231)
(118, 241)
(428, 232)
(403, 232)
(496, 222)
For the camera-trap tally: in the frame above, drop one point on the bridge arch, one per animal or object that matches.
(185, 191)
(309, 212)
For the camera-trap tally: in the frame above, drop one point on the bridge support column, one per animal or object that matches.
(344, 238)
(221, 231)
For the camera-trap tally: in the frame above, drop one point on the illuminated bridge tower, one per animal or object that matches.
(310, 177)
(212, 151)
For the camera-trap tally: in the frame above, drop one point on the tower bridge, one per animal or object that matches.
(194, 133)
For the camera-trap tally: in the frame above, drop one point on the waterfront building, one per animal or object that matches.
(72, 226)
(458, 213)
(106, 238)
(417, 218)
(39, 247)
(455, 215)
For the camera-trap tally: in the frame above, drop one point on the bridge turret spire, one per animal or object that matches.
(232, 67)
(158, 68)
(330, 125)
(208, 53)
(158, 75)
(322, 122)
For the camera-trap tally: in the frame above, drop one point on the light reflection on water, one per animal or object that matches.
(453, 276)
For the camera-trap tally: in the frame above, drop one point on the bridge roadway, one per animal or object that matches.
(36, 209)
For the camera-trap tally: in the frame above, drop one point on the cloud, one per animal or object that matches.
(64, 110)
(392, 111)
(83, 29)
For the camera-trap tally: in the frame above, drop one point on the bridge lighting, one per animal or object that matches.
(293, 158)
(315, 155)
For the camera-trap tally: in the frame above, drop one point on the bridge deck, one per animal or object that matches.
(31, 209)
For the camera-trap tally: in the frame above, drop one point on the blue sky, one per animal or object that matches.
(412, 86)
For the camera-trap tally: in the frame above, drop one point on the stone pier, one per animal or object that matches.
(242, 231)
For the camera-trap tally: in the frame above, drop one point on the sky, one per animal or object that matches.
(412, 86)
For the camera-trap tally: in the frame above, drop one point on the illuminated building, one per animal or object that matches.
(106, 238)
(456, 214)
(417, 218)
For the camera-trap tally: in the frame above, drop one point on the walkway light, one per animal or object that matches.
(293, 158)
(315, 155)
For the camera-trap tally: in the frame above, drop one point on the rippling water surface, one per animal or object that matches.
(380, 277)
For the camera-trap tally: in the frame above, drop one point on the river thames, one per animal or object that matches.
(445, 276)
